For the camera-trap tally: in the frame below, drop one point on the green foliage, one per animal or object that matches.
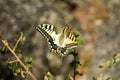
(110, 79)
(15, 64)
(21, 39)
(76, 35)
(116, 58)
(4, 49)
(16, 68)
(79, 42)
(15, 47)
(23, 36)
(29, 62)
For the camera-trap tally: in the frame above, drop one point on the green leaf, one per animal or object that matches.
(94, 78)
(23, 37)
(15, 47)
(29, 60)
(115, 59)
(4, 49)
(79, 42)
(76, 35)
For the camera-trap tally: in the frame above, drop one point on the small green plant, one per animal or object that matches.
(16, 65)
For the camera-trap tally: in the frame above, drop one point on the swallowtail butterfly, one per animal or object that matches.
(61, 40)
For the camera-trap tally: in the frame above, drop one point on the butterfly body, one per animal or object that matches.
(59, 39)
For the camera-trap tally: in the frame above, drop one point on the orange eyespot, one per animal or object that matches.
(59, 49)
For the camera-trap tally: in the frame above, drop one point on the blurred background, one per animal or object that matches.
(97, 21)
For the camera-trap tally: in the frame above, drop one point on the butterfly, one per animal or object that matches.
(61, 40)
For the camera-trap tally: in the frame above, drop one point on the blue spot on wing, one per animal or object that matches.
(54, 46)
(51, 41)
(63, 49)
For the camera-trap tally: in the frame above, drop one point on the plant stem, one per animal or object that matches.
(74, 66)
(17, 58)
